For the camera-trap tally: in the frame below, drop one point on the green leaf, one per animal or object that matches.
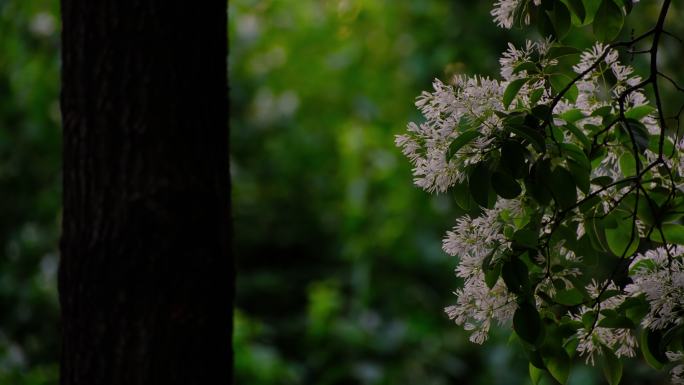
(580, 175)
(627, 4)
(616, 322)
(538, 181)
(571, 346)
(558, 365)
(577, 154)
(639, 112)
(654, 145)
(563, 188)
(673, 210)
(639, 131)
(560, 17)
(602, 111)
(491, 271)
(544, 23)
(602, 181)
(513, 158)
(463, 197)
(596, 230)
(505, 185)
(674, 233)
(527, 323)
(588, 319)
(533, 355)
(647, 264)
(531, 135)
(586, 143)
(527, 238)
(492, 275)
(620, 240)
(628, 164)
(649, 343)
(569, 297)
(461, 141)
(480, 187)
(608, 21)
(535, 374)
(512, 90)
(528, 66)
(515, 274)
(589, 203)
(612, 366)
(541, 112)
(535, 95)
(560, 81)
(613, 319)
(573, 115)
(557, 51)
(577, 8)
(635, 308)
(672, 336)
(555, 133)
(606, 295)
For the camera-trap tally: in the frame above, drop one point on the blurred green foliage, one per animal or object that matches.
(341, 275)
(30, 141)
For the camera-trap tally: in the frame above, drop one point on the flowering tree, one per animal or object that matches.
(571, 180)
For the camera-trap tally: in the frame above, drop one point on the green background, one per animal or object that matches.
(341, 277)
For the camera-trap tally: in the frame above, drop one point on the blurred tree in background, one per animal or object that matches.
(341, 278)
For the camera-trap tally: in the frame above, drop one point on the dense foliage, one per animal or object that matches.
(571, 179)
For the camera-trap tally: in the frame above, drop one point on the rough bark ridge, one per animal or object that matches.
(145, 277)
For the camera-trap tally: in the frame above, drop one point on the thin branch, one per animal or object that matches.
(673, 36)
(674, 83)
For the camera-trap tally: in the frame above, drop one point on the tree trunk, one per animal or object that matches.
(146, 273)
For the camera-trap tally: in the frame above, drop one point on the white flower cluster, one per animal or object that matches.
(504, 11)
(516, 56)
(474, 240)
(468, 101)
(465, 121)
(659, 275)
(472, 104)
(591, 340)
(677, 371)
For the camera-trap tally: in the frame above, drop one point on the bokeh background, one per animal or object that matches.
(341, 278)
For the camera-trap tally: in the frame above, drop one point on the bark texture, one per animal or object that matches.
(146, 273)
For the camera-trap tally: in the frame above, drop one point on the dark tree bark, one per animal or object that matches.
(146, 273)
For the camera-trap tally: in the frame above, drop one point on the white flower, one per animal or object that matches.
(677, 372)
(503, 12)
(591, 340)
(473, 240)
(660, 277)
(477, 306)
(469, 102)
